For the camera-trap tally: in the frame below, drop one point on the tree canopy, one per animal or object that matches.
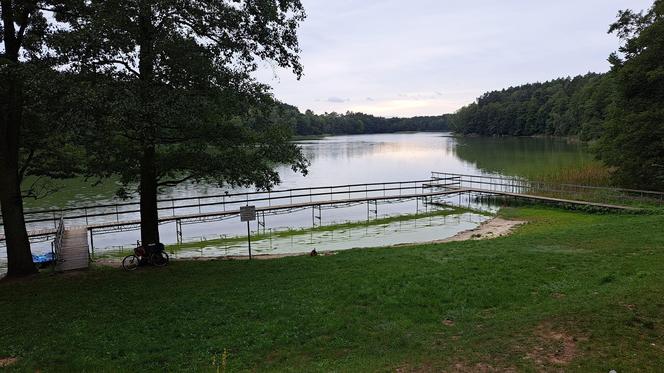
(351, 123)
(633, 141)
(34, 136)
(177, 93)
(562, 107)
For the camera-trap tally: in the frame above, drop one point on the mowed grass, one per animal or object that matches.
(570, 291)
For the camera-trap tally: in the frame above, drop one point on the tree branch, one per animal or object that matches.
(117, 62)
(37, 192)
(172, 183)
(26, 165)
(197, 31)
(24, 22)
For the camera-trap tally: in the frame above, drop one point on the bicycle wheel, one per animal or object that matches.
(130, 263)
(159, 259)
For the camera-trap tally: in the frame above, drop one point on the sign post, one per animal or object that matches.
(248, 214)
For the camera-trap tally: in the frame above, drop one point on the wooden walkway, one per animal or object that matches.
(76, 240)
(298, 205)
(74, 252)
(558, 201)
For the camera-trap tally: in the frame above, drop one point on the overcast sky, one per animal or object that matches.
(430, 57)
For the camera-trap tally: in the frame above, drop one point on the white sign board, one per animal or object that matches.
(247, 213)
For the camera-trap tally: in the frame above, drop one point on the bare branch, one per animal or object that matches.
(125, 64)
(26, 165)
(172, 183)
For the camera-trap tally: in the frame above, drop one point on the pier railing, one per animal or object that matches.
(46, 222)
(124, 211)
(570, 191)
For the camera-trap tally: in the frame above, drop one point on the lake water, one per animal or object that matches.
(350, 160)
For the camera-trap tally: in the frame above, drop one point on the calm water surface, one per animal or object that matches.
(349, 160)
(376, 158)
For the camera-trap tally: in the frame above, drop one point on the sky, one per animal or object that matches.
(430, 57)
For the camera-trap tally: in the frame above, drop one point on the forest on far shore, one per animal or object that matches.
(563, 107)
(576, 107)
(350, 123)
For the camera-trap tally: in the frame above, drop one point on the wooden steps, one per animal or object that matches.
(74, 253)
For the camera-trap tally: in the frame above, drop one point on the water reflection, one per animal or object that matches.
(350, 160)
(372, 158)
(379, 147)
(521, 156)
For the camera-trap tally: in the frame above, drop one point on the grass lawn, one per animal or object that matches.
(571, 291)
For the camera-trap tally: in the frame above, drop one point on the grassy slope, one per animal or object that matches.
(587, 286)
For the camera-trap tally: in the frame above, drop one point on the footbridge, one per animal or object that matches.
(441, 187)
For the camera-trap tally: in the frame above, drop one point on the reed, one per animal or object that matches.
(592, 173)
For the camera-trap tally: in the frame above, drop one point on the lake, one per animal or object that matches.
(350, 160)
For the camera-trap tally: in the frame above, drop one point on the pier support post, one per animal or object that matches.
(178, 231)
(315, 217)
(92, 243)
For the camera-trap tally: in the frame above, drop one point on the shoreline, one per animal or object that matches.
(493, 228)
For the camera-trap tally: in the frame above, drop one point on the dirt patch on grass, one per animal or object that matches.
(109, 262)
(478, 368)
(494, 228)
(117, 262)
(555, 347)
(7, 361)
(423, 368)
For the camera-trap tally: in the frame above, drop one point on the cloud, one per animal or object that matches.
(442, 54)
(338, 100)
(421, 95)
(408, 107)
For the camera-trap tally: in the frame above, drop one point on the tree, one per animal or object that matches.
(560, 107)
(21, 32)
(181, 104)
(633, 141)
(37, 122)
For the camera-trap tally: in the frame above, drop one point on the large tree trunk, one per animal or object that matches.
(148, 190)
(18, 245)
(148, 182)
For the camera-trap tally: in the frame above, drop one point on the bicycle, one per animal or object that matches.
(155, 255)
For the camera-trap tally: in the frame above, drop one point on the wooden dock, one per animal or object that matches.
(72, 246)
(440, 185)
(73, 253)
(288, 206)
(78, 238)
(558, 201)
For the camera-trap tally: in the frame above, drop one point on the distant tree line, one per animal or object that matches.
(350, 123)
(562, 107)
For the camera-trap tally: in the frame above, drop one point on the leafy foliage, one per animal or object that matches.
(51, 121)
(177, 100)
(562, 107)
(351, 123)
(33, 138)
(634, 139)
(175, 76)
